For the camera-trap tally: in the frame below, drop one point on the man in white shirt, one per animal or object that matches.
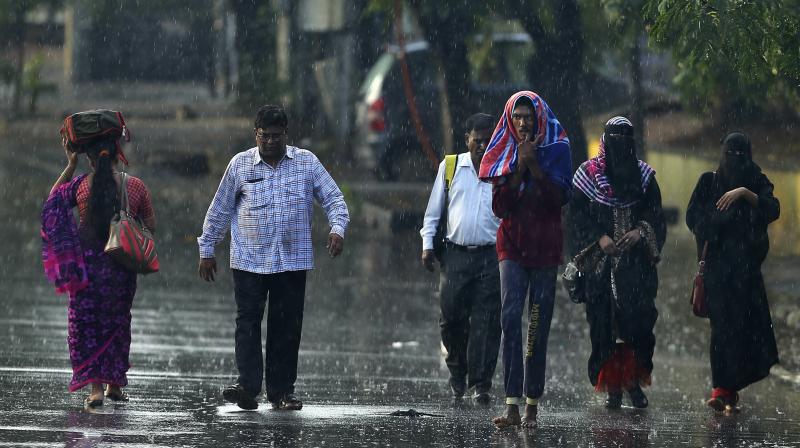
(470, 277)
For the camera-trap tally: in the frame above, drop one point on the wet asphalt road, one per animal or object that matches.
(370, 346)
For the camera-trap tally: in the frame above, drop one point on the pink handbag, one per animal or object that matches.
(130, 243)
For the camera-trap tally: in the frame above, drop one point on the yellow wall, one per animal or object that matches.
(677, 175)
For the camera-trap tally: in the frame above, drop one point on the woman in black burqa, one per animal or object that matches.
(616, 215)
(730, 209)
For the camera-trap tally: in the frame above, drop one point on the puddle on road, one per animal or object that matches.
(315, 412)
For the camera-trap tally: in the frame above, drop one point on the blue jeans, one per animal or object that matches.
(538, 287)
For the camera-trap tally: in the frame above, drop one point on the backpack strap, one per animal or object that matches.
(449, 173)
(449, 169)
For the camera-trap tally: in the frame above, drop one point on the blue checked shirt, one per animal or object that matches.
(269, 211)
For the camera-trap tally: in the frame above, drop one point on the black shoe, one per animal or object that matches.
(287, 403)
(235, 393)
(638, 398)
(457, 387)
(614, 400)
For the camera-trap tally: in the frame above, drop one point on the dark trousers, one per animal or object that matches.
(470, 319)
(538, 288)
(286, 294)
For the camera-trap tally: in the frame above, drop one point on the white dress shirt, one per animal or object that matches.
(470, 220)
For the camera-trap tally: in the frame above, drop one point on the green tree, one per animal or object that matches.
(731, 55)
(13, 32)
(32, 82)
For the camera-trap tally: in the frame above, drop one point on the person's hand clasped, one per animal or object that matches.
(730, 198)
(607, 245)
(428, 259)
(527, 151)
(335, 245)
(207, 269)
(628, 240)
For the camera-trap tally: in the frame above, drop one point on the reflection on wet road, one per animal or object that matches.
(370, 347)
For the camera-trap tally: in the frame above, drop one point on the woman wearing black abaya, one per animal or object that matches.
(730, 209)
(615, 213)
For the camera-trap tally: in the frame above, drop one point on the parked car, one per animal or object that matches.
(385, 133)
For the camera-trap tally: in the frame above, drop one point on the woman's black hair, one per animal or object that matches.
(103, 197)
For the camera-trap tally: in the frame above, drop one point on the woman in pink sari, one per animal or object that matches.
(100, 290)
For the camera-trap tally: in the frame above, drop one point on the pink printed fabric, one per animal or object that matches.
(62, 255)
(99, 321)
(100, 291)
(501, 156)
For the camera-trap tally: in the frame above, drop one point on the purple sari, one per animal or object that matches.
(100, 293)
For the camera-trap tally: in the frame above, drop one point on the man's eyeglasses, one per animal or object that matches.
(264, 137)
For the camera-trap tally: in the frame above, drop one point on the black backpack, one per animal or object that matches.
(84, 127)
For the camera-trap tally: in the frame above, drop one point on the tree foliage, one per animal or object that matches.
(731, 54)
(13, 29)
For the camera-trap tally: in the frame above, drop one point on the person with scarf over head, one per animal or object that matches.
(730, 210)
(617, 225)
(528, 161)
(101, 291)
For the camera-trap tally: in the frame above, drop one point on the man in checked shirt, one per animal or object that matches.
(266, 197)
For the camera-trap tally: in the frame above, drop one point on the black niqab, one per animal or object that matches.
(736, 168)
(622, 165)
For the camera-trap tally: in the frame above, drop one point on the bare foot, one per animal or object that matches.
(95, 397)
(115, 393)
(510, 419)
(97, 392)
(530, 416)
